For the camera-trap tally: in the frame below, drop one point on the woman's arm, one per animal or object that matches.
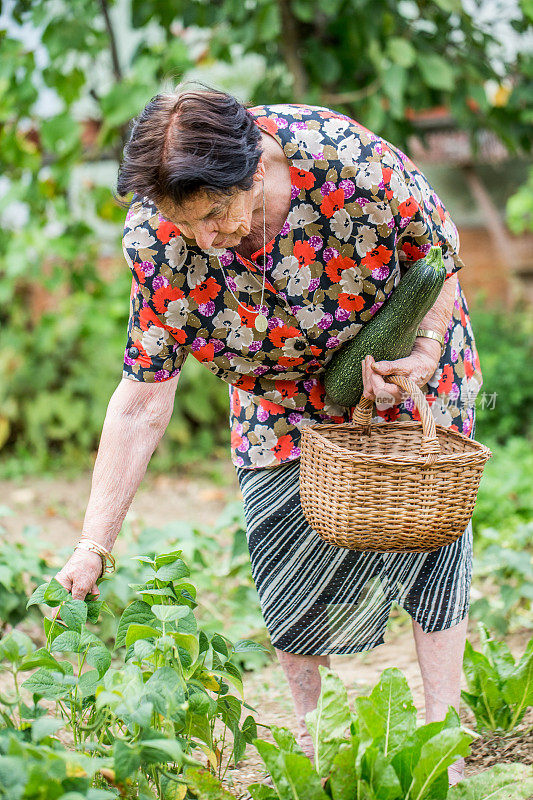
(425, 355)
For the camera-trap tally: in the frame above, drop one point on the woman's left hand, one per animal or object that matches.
(419, 366)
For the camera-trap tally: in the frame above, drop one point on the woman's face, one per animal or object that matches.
(215, 222)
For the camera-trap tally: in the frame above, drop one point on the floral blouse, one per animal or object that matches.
(360, 213)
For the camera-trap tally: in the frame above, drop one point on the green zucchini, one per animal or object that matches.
(391, 332)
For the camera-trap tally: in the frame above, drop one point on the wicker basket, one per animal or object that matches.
(393, 486)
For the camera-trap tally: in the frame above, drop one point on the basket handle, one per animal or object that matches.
(429, 448)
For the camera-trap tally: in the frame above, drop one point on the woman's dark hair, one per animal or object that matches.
(185, 141)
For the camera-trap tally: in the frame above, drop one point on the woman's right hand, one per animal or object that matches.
(80, 573)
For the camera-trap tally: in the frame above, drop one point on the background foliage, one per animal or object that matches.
(63, 283)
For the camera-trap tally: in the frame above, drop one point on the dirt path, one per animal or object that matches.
(58, 507)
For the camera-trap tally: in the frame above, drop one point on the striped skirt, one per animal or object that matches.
(317, 598)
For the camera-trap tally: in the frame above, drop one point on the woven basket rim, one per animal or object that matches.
(476, 450)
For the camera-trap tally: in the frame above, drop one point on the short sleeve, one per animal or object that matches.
(420, 218)
(154, 349)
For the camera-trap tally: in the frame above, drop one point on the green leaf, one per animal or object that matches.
(518, 689)
(156, 751)
(293, 774)
(43, 727)
(401, 51)
(41, 658)
(500, 782)
(436, 71)
(345, 773)
(66, 642)
(15, 647)
(87, 682)
(37, 598)
(127, 758)
(139, 612)
(436, 756)
(140, 632)
(55, 593)
(406, 759)
(329, 721)
(49, 684)
(170, 613)
(380, 775)
(388, 713)
(248, 646)
(205, 785)
(100, 658)
(74, 613)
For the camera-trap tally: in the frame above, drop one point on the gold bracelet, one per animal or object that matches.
(427, 334)
(95, 547)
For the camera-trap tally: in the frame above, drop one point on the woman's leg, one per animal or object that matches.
(303, 678)
(440, 655)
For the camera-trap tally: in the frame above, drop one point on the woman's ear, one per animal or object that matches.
(260, 171)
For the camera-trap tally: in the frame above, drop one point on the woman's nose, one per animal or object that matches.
(205, 239)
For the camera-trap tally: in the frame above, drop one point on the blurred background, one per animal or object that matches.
(448, 81)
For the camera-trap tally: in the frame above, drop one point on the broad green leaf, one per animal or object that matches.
(273, 759)
(41, 658)
(13, 777)
(406, 759)
(518, 689)
(66, 642)
(170, 613)
(164, 688)
(205, 785)
(74, 613)
(248, 646)
(345, 774)
(45, 726)
(380, 775)
(15, 647)
(37, 597)
(49, 684)
(87, 682)
(436, 71)
(500, 782)
(100, 658)
(285, 739)
(140, 632)
(156, 751)
(389, 712)
(436, 756)
(139, 612)
(304, 782)
(173, 572)
(55, 593)
(329, 721)
(259, 791)
(401, 51)
(127, 758)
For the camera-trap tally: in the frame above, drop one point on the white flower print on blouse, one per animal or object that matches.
(176, 252)
(302, 215)
(309, 316)
(197, 271)
(227, 319)
(335, 127)
(342, 224)
(365, 239)
(399, 187)
(349, 332)
(378, 213)
(440, 413)
(154, 339)
(349, 150)
(240, 337)
(351, 280)
(309, 140)
(138, 238)
(299, 283)
(177, 312)
(287, 268)
(369, 175)
(246, 283)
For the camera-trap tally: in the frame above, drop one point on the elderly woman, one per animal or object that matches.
(260, 240)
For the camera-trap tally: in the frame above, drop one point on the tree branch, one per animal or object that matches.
(290, 48)
(117, 71)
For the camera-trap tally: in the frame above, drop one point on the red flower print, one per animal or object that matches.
(453, 428)
(304, 253)
(272, 408)
(317, 395)
(267, 124)
(332, 202)
(178, 334)
(139, 273)
(245, 382)
(236, 404)
(236, 440)
(143, 359)
(166, 231)
(278, 336)
(412, 252)
(286, 388)
(377, 257)
(247, 316)
(335, 266)
(283, 447)
(301, 178)
(387, 175)
(351, 302)
(315, 350)
(147, 318)
(205, 291)
(446, 379)
(469, 369)
(409, 207)
(205, 353)
(287, 361)
(165, 295)
(388, 414)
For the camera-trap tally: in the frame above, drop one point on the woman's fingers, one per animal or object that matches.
(375, 387)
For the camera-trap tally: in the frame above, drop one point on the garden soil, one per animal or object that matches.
(58, 505)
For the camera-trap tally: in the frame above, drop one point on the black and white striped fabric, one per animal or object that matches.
(319, 599)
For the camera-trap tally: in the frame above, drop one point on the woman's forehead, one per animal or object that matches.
(196, 207)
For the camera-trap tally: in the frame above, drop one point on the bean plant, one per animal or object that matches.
(165, 700)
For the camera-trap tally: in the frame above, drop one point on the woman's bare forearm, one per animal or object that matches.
(136, 419)
(438, 318)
